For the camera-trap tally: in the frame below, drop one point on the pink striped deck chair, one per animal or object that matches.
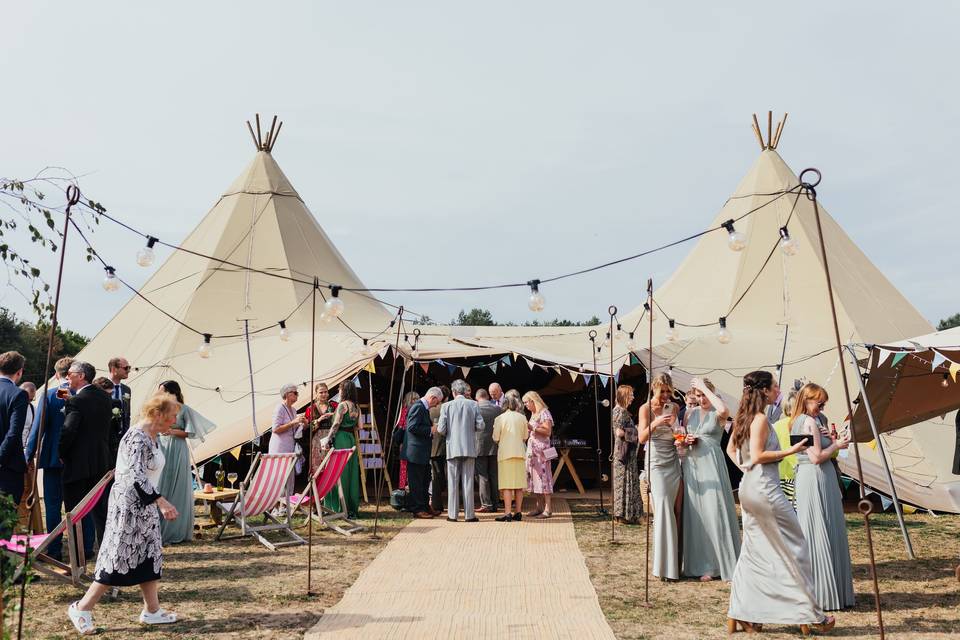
(36, 545)
(264, 487)
(327, 477)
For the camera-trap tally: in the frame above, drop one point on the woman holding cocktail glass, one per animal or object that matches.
(656, 424)
(711, 534)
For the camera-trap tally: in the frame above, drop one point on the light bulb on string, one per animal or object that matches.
(723, 336)
(205, 346)
(110, 282)
(631, 343)
(606, 340)
(284, 334)
(146, 256)
(334, 306)
(672, 334)
(736, 240)
(946, 381)
(368, 349)
(536, 301)
(650, 310)
(788, 244)
(621, 335)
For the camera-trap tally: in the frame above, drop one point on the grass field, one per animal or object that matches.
(231, 589)
(920, 598)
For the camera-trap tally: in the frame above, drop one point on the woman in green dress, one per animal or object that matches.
(176, 480)
(711, 534)
(342, 435)
(820, 503)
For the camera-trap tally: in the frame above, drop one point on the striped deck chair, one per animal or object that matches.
(327, 477)
(36, 545)
(264, 487)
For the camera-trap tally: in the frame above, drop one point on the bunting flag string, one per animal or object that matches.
(884, 355)
(465, 371)
(235, 452)
(370, 367)
(356, 381)
(573, 376)
(587, 377)
(938, 359)
(531, 363)
(885, 502)
(900, 355)
(493, 366)
(425, 366)
(603, 379)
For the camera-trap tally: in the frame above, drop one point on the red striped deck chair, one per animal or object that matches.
(264, 487)
(36, 545)
(327, 477)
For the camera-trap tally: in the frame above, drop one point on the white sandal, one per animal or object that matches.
(160, 616)
(82, 620)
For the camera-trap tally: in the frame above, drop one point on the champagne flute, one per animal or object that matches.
(232, 478)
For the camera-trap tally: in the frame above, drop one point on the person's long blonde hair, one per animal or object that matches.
(537, 401)
(660, 382)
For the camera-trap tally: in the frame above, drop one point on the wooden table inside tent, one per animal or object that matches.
(565, 462)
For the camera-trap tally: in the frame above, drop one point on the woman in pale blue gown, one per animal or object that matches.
(655, 424)
(773, 581)
(711, 534)
(176, 480)
(820, 503)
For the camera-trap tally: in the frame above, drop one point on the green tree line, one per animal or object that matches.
(31, 341)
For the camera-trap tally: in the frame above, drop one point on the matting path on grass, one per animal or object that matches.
(439, 579)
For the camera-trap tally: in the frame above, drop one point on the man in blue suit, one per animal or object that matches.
(13, 414)
(48, 458)
(418, 441)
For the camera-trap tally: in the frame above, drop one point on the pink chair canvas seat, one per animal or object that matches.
(35, 546)
(325, 479)
(264, 488)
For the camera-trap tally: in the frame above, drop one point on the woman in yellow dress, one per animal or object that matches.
(510, 433)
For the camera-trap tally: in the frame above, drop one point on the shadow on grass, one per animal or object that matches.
(343, 621)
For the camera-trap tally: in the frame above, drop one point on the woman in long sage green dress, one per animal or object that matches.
(655, 425)
(711, 534)
(820, 503)
(342, 435)
(773, 581)
(176, 480)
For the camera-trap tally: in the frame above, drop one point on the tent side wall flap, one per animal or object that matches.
(261, 223)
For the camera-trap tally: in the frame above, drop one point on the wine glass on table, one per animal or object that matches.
(220, 475)
(232, 478)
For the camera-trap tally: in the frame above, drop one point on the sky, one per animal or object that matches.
(454, 144)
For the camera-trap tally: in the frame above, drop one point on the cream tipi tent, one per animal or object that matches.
(777, 310)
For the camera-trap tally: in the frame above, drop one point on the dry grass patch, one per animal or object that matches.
(921, 598)
(231, 589)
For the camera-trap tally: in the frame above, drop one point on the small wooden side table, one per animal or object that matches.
(217, 496)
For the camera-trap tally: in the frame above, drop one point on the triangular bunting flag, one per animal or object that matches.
(531, 363)
(370, 367)
(505, 360)
(868, 492)
(235, 452)
(356, 381)
(954, 368)
(909, 508)
(938, 359)
(603, 379)
(384, 351)
(634, 358)
(425, 366)
(493, 366)
(587, 377)
(616, 378)
(885, 502)
(884, 354)
(872, 444)
(450, 368)
(573, 375)
(516, 356)
(897, 357)
(557, 369)
(465, 371)
(846, 482)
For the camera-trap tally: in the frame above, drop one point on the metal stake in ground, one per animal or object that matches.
(612, 310)
(865, 506)
(596, 412)
(646, 564)
(73, 197)
(314, 409)
(393, 368)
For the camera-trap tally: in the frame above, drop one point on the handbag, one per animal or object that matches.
(550, 453)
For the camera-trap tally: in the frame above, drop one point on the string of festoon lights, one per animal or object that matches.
(334, 305)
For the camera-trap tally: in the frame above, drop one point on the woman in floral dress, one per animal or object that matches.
(627, 502)
(539, 471)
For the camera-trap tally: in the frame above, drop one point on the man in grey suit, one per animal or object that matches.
(460, 420)
(487, 453)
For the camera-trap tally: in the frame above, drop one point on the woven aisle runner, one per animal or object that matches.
(439, 579)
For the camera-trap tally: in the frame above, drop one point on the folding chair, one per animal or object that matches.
(325, 478)
(264, 486)
(36, 545)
